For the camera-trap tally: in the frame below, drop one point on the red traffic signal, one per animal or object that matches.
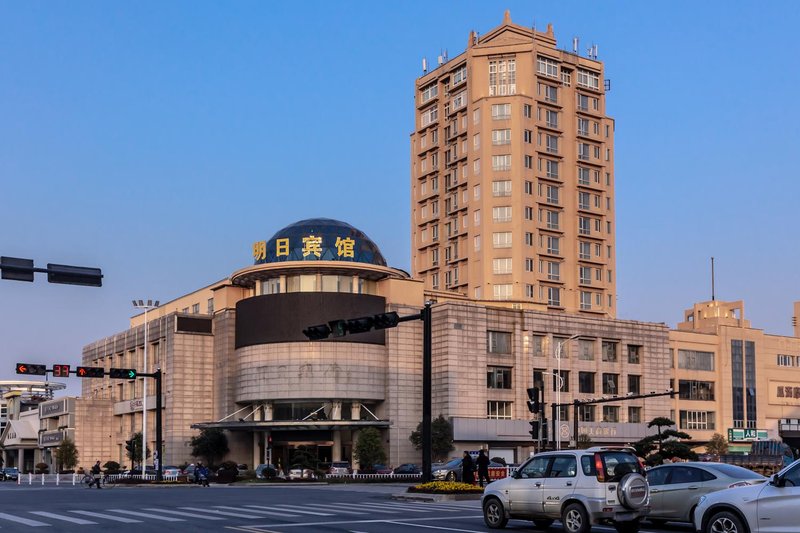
(36, 370)
(89, 372)
(60, 371)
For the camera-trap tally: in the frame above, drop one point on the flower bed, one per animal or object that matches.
(446, 487)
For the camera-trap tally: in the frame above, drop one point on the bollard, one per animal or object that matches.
(57, 478)
(43, 480)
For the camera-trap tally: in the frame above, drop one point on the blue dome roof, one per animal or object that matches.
(318, 239)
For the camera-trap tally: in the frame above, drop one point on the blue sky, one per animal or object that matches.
(158, 140)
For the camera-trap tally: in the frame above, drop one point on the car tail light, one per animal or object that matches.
(738, 484)
(598, 466)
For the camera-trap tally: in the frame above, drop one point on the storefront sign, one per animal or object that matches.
(741, 434)
(52, 438)
(55, 408)
(309, 247)
(784, 393)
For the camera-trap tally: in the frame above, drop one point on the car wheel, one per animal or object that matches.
(494, 516)
(574, 519)
(451, 476)
(725, 522)
(543, 523)
(627, 527)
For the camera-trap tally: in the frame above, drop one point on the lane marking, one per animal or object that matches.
(216, 512)
(292, 509)
(181, 513)
(326, 507)
(138, 513)
(107, 517)
(280, 512)
(340, 522)
(62, 517)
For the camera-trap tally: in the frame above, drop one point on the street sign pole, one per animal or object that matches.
(426, 393)
(159, 421)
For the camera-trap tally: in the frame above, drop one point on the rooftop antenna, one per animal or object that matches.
(712, 279)
(575, 47)
(424, 64)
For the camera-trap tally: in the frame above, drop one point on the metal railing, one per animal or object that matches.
(75, 479)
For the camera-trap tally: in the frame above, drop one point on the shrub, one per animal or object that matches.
(446, 487)
(42, 468)
(112, 467)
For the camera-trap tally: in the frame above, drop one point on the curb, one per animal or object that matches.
(419, 497)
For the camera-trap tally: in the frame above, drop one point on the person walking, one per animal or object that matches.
(467, 469)
(483, 467)
(97, 475)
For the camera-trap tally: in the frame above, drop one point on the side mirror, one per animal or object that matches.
(776, 480)
(516, 474)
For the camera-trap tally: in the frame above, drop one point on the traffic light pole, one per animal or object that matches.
(159, 415)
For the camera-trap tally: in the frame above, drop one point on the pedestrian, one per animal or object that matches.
(467, 469)
(203, 475)
(483, 467)
(96, 475)
(197, 470)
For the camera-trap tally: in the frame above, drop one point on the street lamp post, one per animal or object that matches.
(557, 435)
(140, 304)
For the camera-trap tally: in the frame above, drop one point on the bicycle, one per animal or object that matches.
(106, 482)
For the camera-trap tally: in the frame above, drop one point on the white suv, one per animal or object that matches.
(601, 485)
(770, 506)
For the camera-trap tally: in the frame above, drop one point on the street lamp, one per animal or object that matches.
(140, 304)
(557, 436)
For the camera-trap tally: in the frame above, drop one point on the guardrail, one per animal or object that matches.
(494, 473)
(75, 479)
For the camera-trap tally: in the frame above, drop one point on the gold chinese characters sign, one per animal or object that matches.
(784, 393)
(306, 247)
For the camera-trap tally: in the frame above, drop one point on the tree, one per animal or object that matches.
(67, 454)
(135, 454)
(717, 445)
(211, 444)
(304, 457)
(584, 441)
(659, 422)
(665, 442)
(369, 449)
(441, 438)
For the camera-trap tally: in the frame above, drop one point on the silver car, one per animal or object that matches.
(676, 488)
(601, 485)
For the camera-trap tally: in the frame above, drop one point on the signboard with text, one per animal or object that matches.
(746, 434)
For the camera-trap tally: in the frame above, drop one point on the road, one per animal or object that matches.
(264, 508)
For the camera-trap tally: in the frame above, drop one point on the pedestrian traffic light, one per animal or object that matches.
(89, 372)
(36, 370)
(122, 373)
(534, 405)
(534, 429)
(60, 371)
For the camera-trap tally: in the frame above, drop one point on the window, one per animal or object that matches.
(501, 265)
(696, 390)
(429, 92)
(583, 151)
(635, 417)
(586, 413)
(787, 360)
(501, 239)
(587, 78)
(583, 176)
(460, 75)
(697, 420)
(610, 384)
(527, 136)
(459, 100)
(556, 381)
(549, 92)
(528, 187)
(476, 243)
(476, 166)
(529, 213)
(435, 280)
(586, 350)
(501, 162)
(499, 410)
(498, 342)
(582, 102)
(527, 109)
(528, 264)
(583, 126)
(585, 275)
(553, 245)
(610, 413)
(553, 271)
(529, 290)
(210, 305)
(498, 377)
(537, 347)
(586, 300)
(551, 143)
(476, 141)
(501, 137)
(552, 219)
(501, 111)
(634, 353)
(501, 213)
(501, 188)
(547, 66)
(551, 168)
(586, 382)
(584, 250)
(634, 384)
(694, 360)
(609, 351)
(551, 118)
(554, 296)
(503, 291)
(552, 194)
(430, 116)
(502, 77)
(583, 200)
(584, 225)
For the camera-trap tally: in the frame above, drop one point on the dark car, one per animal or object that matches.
(11, 472)
(266, 471)
(408, 468)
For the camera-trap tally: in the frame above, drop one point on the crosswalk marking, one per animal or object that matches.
(368, 508)
(182, 513)
(396, 508)
(216, 512)
(292, 509)
(80, 521)
(336, 508)
(428, 506)
(138, 513)
(280, 512)
(107, 517)
(26, 521)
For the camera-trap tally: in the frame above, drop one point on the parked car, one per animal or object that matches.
(189, 472)
(408, 468)
(241, 468)
(451, 471)
(266, 471)
(600, 485)
(172, 471)
(376, 469)
(676, 488)
(298, 472)
(11, 473)
(137, 472)
(770, 506)
(339, 467)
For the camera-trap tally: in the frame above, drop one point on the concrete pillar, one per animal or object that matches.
(256, 452)
(336, 452)
(355, 411)
(268, 411)
(336, 410)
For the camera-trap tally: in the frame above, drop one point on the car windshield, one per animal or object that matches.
(734, 471)
(454, 463)
(12, 470)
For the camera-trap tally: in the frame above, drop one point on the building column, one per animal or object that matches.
(256, 449)
(355, 411)
(336, 452)
(354, 441)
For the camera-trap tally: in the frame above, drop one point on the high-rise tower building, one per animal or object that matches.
(512, 174)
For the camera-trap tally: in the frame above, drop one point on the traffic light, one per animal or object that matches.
(89, 372)
(74, 275)
(543, 428)
(317, 333)
(534, 405)
(122, 373)
(16, 269)
(60, 371)
(359, 325)
(385, 320)
(36, 370)
(338, 328)
(130, 447)
(534, 429)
